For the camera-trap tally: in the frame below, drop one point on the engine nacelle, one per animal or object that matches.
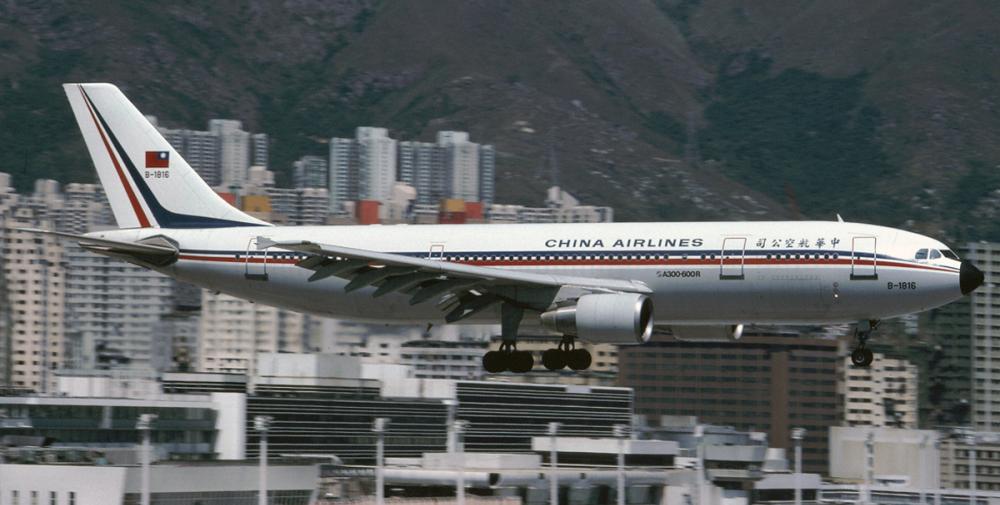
(623, 318)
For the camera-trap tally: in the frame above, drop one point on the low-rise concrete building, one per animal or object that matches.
(910, 457)
(91, 484)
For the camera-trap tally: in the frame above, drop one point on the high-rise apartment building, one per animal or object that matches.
(461, 165)
(310, 172)
(421, 166)
(376, 163)
(34, 281)
(199, 148)
(883, 395)
(985, 336)
(487, 174)
(114, 307)
(234, 152)
(232, 331)
(343, 178)
(946, 379)
(761, 383)
(260, 150)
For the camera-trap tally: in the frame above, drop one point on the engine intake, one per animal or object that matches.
(623, 318)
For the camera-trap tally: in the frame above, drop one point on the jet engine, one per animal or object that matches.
(622, 318)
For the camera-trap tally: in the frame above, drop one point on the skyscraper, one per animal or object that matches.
(985, 326)
(343, 178)
(33, 280)
(461, 165)
(310, 172)
(232, 331)
(487, 173)
(234, 152)
(260, 149)
(376, 163)
(200, 149)
(421, 165)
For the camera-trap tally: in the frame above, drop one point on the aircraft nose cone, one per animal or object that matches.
(970, 277)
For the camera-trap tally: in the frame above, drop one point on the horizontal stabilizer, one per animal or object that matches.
(159, 254)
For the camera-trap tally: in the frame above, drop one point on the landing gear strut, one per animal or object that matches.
(862, 356)
(508, 357)
(566, 354)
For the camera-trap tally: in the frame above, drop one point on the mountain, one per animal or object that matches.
(664, 109)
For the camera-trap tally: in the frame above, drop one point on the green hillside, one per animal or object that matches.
(664, 109)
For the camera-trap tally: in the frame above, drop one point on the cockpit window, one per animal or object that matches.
(921, 254)
(935, 254)
(950, 255)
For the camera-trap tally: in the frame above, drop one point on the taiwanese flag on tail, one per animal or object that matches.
(157, 159)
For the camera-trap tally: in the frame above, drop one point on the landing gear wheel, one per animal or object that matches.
(521, 362)
(578, 359)
(495, 361)
(862, 357)
(554, 359)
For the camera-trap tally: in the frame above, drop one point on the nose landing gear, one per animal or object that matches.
(862, 356)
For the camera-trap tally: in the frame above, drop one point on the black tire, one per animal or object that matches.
(869, 357)
(495, 361)
(521, 362)
(579, 359)
(554, 359)
(862, 357)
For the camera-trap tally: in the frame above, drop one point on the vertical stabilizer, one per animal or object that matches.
(148, 184)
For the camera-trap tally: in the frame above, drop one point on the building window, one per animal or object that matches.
(52, 498)
(34, 498)
(72, 498)
(15, 498)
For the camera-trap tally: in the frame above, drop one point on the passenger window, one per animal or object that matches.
(935, 254)
(921, 254)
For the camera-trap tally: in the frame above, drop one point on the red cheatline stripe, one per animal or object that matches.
(635, 262)
(139, 214)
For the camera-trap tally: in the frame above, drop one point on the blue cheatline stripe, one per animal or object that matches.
(164, 217)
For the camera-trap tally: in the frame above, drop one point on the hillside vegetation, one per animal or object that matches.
(665, 109)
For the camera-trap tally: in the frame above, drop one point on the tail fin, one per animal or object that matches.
(148, 184)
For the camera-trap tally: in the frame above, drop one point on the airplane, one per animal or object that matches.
(595, 282)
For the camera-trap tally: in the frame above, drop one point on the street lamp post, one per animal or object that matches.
(145, 426)
(553, 464)
(379, 427)
(262, 424)
(459, 427)
(621, 431)
(869, 465)
(797, 435)
(451, 405)
(971, 441)
(699, 434)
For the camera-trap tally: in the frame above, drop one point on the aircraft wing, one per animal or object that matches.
(473, 287)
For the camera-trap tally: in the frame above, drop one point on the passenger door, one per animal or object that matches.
(732, 258)
(864, 264)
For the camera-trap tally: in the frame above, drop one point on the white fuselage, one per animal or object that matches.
(699, 273)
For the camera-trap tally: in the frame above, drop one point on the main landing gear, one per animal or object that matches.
(862, 356)
(566, 355)
(509, 358)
